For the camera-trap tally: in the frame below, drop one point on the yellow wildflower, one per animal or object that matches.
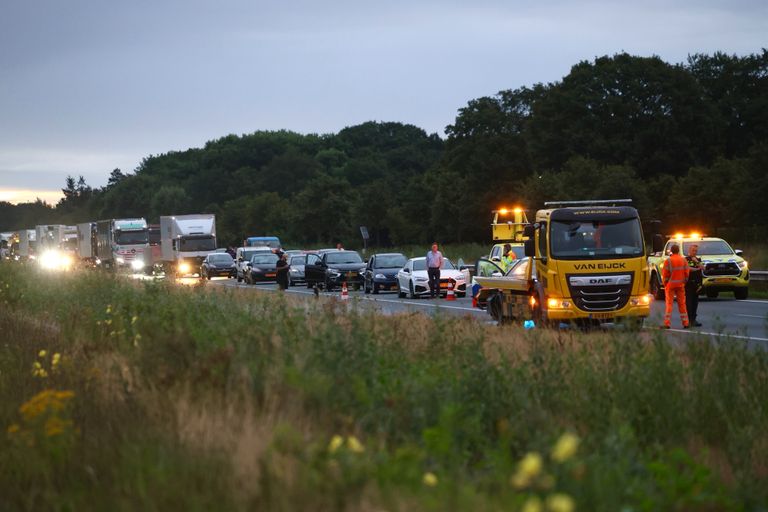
(13, 428)
(55, 359)
(560, 503)
(109, 308)
(429, 479)
(335, 444)
(55, 426)
(565, 448)
(532, 504)
(42, 354)
(134, 319)
(527, 470)
(354, 445)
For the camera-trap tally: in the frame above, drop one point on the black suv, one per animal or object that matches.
(330, 268)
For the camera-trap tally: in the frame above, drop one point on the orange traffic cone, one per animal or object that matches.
(450, 295)
(474, 301)
(344, 291)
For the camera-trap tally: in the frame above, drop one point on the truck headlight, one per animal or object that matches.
(742, 264)
(558, 304)
(137, 264)
(642, 300)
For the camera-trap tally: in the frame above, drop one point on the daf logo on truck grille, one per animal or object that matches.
(600, 280)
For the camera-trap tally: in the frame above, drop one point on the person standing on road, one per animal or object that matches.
(434, 264)
(693, 285)
(675, 272)
(282, 267)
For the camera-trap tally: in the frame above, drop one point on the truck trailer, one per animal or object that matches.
(27, 244)
(185, 241)
(122, 244)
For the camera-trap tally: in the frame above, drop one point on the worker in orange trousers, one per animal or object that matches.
(674, 273)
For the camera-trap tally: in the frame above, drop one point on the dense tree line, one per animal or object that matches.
(687, 142)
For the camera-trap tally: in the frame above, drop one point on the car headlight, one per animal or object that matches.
(421, 279)
(137, 264)
(380, 276)
(184, 268)
(334, 273)
(255, 269)
(742, 264)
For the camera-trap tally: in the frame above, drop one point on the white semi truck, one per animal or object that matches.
(56, 246)
(27, 244)
(123, 244)
(186, 240)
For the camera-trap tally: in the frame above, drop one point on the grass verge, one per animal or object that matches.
(123, 395)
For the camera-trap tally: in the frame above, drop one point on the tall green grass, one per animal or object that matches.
(199, 398)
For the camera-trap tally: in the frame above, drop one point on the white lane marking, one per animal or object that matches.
(765, 302)
(717, 334)
(751, 316)
(370, 299)
(436, 306)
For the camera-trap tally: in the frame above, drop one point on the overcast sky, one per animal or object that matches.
(87, 86)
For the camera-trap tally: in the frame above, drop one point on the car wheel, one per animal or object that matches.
(741, 293)
(239, 279)
(375, 289)
(400, 292)
(328, 286)
(366, 290)
(712, 294)
(412, 291)
(656, 289)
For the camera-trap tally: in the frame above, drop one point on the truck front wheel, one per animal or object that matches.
(656, 289)
(741, 293)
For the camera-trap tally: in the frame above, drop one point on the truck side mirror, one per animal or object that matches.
(530, 248)
(658, 242)
(655, 227)
(739, 252)
(529, 231)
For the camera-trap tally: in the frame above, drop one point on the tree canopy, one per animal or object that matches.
(688, 142)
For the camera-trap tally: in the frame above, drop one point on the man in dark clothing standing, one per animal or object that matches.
(434, 263)
(693, 285)
(282, 267)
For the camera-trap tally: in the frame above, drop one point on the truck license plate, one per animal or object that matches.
(601, 316)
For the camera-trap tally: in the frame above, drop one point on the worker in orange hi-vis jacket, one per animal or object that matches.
(674, 273)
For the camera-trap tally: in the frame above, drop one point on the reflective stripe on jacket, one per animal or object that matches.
(675, 270)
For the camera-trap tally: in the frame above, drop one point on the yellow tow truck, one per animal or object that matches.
(584, 263)
(725, 270)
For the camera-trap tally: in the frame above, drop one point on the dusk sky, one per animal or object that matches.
(88, 86)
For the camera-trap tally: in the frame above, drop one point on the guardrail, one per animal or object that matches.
(758, 275)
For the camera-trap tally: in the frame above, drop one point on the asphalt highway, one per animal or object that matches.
(737, 319)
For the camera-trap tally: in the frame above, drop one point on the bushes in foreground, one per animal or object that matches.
(124, 395)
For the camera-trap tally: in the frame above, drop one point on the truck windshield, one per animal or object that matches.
(197, 243)
(132, 237)
(710, 248)
(598, 239)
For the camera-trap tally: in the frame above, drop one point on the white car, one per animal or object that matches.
(412, 279)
